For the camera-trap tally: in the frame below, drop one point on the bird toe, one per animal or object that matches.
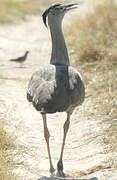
(60, 173)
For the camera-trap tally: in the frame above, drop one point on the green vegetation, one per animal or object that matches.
(11, 10)
(94, 52)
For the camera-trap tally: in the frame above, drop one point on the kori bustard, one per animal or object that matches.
(57, 87)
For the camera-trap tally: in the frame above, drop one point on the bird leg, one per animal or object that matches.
(60, 172)
(21, 65)
(47, 135)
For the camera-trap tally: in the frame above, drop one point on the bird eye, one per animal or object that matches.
(62, 8)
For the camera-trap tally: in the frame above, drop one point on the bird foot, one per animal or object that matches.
(60, 174)
(52, 170)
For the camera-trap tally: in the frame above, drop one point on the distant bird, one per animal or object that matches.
(56, 87)
(21, 59)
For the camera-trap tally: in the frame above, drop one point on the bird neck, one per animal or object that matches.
(59, 55)
(26, 54)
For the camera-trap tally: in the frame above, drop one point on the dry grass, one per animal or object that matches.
(6, 157)
(11, 10)
(93, 45)
(8, 149)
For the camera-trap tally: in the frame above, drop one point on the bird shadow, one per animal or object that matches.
(21, 67)
(59, 178)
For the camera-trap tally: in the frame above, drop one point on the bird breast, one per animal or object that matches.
(55, 88)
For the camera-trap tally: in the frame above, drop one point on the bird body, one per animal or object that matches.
(21, 59)
(56, 87)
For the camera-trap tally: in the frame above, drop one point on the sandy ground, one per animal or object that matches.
(85, 156)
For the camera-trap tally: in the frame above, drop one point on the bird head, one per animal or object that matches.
(57, 11)
(26, 52)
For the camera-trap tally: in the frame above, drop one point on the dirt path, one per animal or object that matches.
(84, 151)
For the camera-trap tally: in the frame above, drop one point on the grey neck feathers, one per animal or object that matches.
(26, 54)
(59, 55)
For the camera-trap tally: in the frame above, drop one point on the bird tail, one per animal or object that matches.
(12, 60)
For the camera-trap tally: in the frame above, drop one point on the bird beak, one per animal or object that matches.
(70, 6)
